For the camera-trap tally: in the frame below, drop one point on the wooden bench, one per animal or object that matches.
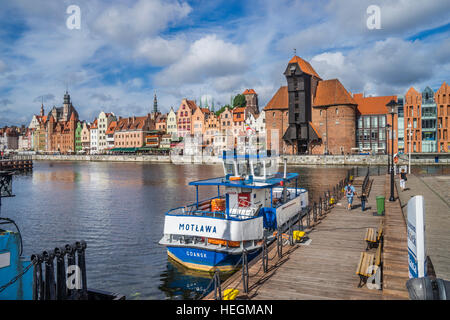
(373, 237)
(363, 271)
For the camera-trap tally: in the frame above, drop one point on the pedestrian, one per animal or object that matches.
(349, 193)
(363, 201)
(403, 179)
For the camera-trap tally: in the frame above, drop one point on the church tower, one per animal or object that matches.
(155, 104)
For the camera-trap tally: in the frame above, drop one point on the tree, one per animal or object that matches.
(239, 101)
(222, 109)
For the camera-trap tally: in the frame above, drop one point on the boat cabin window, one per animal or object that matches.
(229, 168)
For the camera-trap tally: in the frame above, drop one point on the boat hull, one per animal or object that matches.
(207, 260)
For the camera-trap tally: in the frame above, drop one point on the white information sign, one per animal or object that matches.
(417, 256)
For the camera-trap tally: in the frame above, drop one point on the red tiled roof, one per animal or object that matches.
(305, 66)
(279, 101)
(94, 125)
(372, 105)
(132, 123)
(315, 130)
(249, 91)
(331, 93)
(191, 104)
(112, 127)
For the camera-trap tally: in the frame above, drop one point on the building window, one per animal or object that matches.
(374, 121)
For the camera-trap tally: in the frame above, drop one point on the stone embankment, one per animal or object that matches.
(352, 160)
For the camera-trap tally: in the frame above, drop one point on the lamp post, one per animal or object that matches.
(392, 108)
(387, 147)
(409, 139)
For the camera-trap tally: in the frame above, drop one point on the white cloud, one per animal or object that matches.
(208, 57)
(387, 67)
(145, 18)
(159, 51)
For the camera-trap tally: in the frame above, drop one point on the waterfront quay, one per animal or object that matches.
(324, 266)
(436, 191)
(350, 160)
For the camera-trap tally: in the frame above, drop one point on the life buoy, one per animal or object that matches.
(395, 158)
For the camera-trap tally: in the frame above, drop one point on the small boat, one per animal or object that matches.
(253, 200)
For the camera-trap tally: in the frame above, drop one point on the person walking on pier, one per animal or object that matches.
(403, 179)
(363, 201)
(349, 192)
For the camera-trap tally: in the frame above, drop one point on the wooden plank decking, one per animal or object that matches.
(325, 269)
(395, 249)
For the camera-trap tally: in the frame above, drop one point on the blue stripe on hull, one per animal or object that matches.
(206, 260)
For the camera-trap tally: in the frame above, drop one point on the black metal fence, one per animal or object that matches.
(60, 274)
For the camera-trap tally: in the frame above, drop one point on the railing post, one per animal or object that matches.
(308, 212)
(315, 212)
(70, 252)
(217, 286)
(279, 243)
(50, 287)
(244, 271)
(38, 284)
(61, 289)
(81, 247)
(265, 255)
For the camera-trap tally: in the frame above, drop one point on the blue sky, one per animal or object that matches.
(127, 50)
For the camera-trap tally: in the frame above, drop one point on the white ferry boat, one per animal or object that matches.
(252, 201)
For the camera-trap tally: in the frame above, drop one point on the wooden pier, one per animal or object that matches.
(16, 164)
(325, 267)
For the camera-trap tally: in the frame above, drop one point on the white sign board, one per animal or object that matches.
(233, 230)
(5, 259)
(417, 256)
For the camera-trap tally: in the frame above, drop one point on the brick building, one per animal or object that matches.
(372, 118)
(442, 99)
(184, 117)
(131, 132)
(251, 98)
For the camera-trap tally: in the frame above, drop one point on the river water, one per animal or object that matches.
(118, 209)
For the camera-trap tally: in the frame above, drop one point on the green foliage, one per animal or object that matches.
(239, 101)
(222, 109)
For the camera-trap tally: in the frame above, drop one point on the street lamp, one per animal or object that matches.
(392, 109)
(409, 139)
(388, 126)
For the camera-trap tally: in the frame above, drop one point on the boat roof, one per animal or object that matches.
(255, 184)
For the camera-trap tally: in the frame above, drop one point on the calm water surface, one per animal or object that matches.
(118, 209)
